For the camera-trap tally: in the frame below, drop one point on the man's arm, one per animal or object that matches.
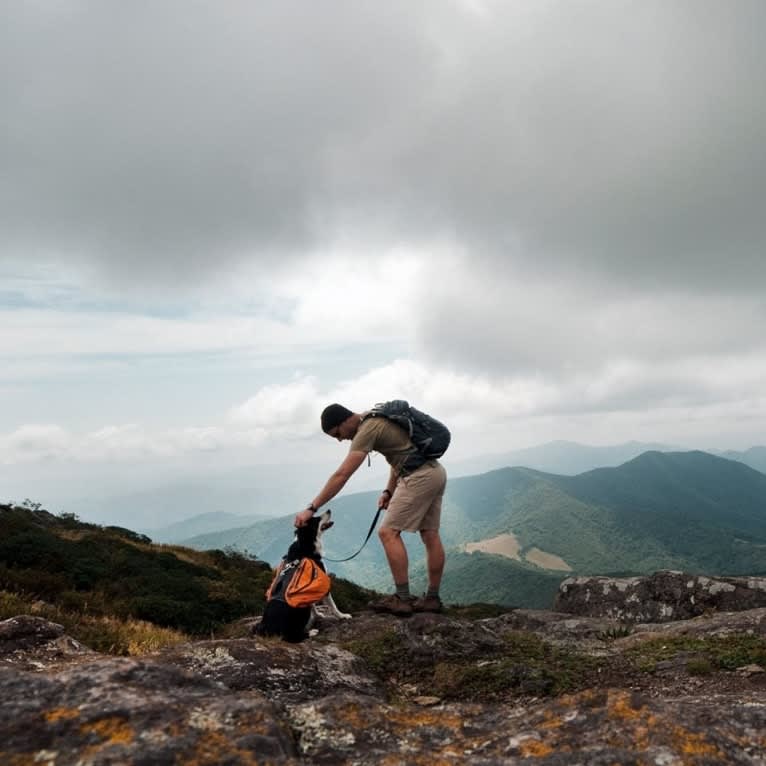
(334, 484)
(385, 496)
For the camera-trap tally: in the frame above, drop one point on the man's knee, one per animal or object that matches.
(386, 533)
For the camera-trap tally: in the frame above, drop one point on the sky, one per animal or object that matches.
(536, 220)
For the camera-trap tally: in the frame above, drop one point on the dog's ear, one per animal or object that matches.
(326, 525)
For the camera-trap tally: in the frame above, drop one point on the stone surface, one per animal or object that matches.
(282, 671)
(360, 694)
(125, 711)
(33, 643)
(661, 597)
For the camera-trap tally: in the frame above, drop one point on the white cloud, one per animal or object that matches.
(584, 139)
(288, 410)
(535, 219)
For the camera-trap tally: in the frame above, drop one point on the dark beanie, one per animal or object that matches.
(333, 415)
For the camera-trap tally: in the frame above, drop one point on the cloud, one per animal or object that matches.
(592, 140)
(674, 401)
(126, 443)
(287, 410)
(529, 217)
(520, 327)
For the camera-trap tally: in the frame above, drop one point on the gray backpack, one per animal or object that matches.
(430, 437)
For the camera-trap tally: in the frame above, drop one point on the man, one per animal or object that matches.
(412, 499)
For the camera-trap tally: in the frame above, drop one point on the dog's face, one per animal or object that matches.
(309, 536)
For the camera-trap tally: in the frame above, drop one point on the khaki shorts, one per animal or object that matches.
(417, 500)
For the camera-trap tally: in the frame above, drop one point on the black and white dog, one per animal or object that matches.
(289, 622)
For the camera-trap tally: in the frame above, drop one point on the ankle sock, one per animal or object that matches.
(432, 593)
(403, 590)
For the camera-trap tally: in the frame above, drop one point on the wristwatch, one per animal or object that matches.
(311, 507)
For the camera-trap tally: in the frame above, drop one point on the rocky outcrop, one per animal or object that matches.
(661, 597)
(33, 643)
(433, 689)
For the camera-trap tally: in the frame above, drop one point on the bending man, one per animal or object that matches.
(412, 499)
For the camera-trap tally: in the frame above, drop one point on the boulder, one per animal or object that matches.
(34, 643)
(661, 597)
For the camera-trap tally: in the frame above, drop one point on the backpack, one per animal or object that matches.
(430, 437)
(300, 583)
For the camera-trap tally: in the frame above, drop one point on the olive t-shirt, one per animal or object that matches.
(381, 435)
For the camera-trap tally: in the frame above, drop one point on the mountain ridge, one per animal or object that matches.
(687, 510)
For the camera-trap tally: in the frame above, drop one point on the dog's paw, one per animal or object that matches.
(313, 632)
(344, 616)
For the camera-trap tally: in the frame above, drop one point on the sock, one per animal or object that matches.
(432, 592)
(403, 590)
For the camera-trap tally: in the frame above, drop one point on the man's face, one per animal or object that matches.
(342, 431)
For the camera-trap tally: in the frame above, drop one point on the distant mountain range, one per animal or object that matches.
(681, 510)
(755, 457)
(277, 489)
(562, 457)
(202, 524)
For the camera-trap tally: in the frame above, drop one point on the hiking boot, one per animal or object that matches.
(427, 604)
(392, 605)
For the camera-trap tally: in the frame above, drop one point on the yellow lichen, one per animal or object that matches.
(214, 747)
(552, 721)
(534, 748)
(421, 717)
(114, 730)
(691, 743)
(621, 707)
(61, 714)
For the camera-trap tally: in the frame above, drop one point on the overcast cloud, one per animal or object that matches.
(543, 219)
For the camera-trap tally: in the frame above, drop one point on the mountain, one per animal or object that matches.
(261, 490)
(755, 457)
(200, 525)
(561, 457)
(275, 490)
(680, 510)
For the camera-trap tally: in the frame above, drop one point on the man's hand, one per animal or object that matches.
(384, 499)
(303, 518)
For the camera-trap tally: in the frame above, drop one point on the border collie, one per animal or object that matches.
(289, 622)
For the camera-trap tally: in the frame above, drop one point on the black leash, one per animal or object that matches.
(369, 534)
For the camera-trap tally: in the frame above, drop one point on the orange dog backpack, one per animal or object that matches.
(300, 583)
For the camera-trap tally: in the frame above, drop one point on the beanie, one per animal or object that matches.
(333, 415)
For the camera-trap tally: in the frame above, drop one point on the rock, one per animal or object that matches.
(425, 701)
(750, 670)
(594, 727)
(661, 597)
(115, 710)
(33, 643)
(285, 672)
(27, 632)
(549, 687)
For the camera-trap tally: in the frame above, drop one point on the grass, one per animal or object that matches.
(612, 634)
(383, 652)
(712, 653)
(525, 665)
(109, 635)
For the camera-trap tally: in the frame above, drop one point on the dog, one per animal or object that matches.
(291, 623)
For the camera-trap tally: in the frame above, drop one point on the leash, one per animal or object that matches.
(369, 534)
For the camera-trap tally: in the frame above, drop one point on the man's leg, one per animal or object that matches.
(434, 556)
(396, 553)
(397, 603)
